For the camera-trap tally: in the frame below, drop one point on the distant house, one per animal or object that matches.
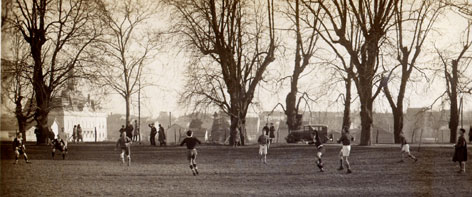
(426, 126)
(175, 134)
(72, 108)
(219, 129)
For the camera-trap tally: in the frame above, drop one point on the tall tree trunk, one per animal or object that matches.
(243, 134)
(235, 112)
(365, 97)
(292, 111)
(347, 104)
(397, 124)
(43, 93)
(366, 123)
(454, 120)
(127, 103)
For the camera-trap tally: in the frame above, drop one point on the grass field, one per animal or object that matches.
(95, 170)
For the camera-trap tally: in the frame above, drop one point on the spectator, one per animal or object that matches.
(79, 134)
(271, 133)
(460, 153)
(129, 130)
(74, 134)
(153, 134)
(136, 133)
(470, 134)
(265, 129)
(37, 132)
(162, 136)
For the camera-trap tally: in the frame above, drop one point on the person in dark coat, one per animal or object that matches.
(153, 134)
(37, 132)
(470, 134)
(271, 133)
(162, 136)
(80, 135)
(460, 153)
(129, 130)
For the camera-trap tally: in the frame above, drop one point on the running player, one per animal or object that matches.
(345, 139)
(59, 144)
(125, 145)
(320, 150)
(191, 143)
(263, 141)
(19, 148)
(405, 148)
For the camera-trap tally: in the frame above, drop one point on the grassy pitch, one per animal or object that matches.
(96, 170)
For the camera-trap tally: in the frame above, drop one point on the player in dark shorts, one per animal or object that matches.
(191, 143)
(59, 144)
(125, 145)
(320, 149)
(19, 148)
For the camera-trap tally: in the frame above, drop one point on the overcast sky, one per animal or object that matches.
(168, 69)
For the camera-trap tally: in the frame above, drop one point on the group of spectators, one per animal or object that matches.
(77, 135)
(161, 135)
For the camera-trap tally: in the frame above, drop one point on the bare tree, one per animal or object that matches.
(373, 18)
(233, 47)
(413, 22)
(128, 44)
(16, 84)
(58, 32)
(457, 81)
(306, 38)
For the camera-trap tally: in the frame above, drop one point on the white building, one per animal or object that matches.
(93, 124)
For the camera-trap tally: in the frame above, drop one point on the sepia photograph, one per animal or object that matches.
(236, 98)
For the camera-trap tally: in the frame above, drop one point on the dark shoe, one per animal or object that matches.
(349, 171)
(28, 162)
(196, 171)
(340, 168)
(416, 159)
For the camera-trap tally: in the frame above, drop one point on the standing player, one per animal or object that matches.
(125, 145)
(345, 139)
(19, 148)
(405, 147)
(263, 141)
(191, 143)
(59, 144)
